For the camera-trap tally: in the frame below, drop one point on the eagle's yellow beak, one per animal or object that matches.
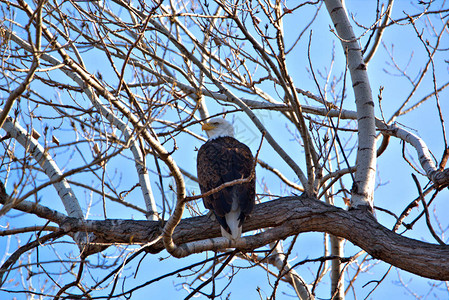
(208, 126)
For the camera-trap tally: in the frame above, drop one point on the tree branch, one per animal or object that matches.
(380, 31)
(286, 217)
(363, 187)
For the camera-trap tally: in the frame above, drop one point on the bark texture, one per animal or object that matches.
(363, 187)
(288, 216)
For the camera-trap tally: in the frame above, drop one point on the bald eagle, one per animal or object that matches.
(222, 159)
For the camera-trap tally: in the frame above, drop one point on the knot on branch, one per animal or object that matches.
(441, 178)
(366, 210)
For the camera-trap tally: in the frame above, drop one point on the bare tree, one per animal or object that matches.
(100, 115)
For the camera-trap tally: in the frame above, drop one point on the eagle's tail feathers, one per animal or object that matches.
(233, 222)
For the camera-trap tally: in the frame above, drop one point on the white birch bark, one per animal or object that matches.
(438, 177)
(435, 175)
(49, 166)
(363, 187)
(337, 278)
(379, 33)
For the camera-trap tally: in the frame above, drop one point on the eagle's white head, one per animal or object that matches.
(218, 127)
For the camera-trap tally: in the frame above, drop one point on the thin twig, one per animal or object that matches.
(16, 255)
(426, 209)
(225, 263)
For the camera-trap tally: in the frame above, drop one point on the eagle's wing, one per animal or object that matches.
(222, 160)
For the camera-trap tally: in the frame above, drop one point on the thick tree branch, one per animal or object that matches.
(285, 217)
(363, 187)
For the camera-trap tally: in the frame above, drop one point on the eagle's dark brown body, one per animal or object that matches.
(221, 160)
